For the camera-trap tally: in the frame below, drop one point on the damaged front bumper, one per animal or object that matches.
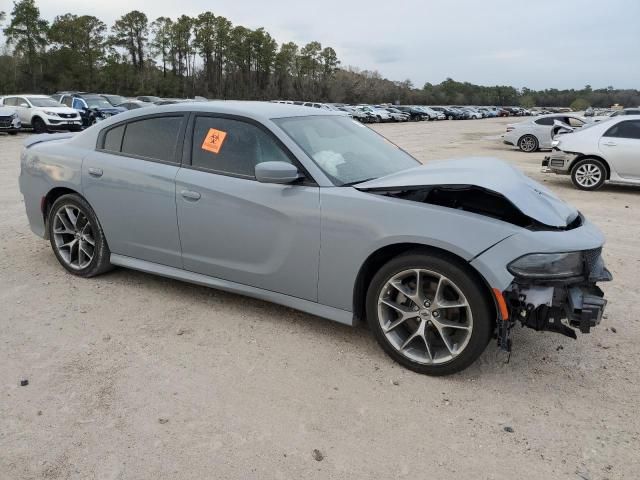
(560, 306)
(558, 162)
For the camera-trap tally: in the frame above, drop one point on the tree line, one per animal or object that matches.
(206, 55)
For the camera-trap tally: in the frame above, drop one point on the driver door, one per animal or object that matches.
(235, 228)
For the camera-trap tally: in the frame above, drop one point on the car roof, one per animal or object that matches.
(251, 109)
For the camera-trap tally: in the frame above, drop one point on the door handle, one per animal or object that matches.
(610, 144)
(190, 195)
(95, 172)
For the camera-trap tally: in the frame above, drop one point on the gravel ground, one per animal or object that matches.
(138, 377)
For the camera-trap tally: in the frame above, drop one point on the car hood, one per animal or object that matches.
(110, 110)
(7, 111)
(530, 197)
(60, 109)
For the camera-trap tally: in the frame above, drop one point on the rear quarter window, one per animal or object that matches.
(153, 138)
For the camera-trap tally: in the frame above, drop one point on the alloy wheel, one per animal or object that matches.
(588, 175)
(425, 316)
(528, 144)
(73, 237)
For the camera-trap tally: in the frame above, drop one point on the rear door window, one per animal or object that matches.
(547, 120)
(113, 139)
(153, 138)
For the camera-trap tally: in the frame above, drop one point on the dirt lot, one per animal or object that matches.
(138, 377)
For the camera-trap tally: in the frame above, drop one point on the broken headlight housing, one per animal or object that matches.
(548, 265)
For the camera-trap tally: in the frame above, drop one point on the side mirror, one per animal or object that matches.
(276, 172)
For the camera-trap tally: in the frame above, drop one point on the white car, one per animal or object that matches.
(535, 133)
(380, 114)
(9, 120)
(605, 151)
(43, 114)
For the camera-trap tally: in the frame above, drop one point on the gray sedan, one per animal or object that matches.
(313, 210)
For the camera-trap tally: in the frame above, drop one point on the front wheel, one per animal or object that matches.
(428, 313)
(588, 174)
(76, 237)
(39, 126)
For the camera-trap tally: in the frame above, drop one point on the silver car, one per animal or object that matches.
(606, 151)
(536, 133)
(313, 210)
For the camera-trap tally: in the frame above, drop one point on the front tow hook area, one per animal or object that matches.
(554, 308)
(585, 308)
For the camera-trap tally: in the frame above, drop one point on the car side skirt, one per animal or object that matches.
(313, 308)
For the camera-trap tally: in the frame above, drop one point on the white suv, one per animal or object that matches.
(43, 114)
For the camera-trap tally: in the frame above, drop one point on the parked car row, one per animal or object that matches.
(68, 111)
(403, 113)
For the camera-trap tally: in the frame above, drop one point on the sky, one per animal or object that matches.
(524, 43)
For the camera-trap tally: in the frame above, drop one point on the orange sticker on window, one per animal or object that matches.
(214, 140)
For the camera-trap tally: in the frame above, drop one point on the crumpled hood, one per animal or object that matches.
(530, 197)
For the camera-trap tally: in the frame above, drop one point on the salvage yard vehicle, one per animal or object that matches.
(606, 151)
(91, 107)
(313, 210)
(42, 113)
(536, 133)
(9, 120)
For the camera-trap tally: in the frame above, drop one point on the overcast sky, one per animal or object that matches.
(535, 43)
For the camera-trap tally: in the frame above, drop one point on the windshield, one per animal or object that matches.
(346, 151)
(43, 102)
(115, 99)
(97, 102)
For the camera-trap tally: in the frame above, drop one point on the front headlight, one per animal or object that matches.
(50, 113)
(548, 265)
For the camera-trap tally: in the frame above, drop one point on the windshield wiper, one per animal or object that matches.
(351, 184)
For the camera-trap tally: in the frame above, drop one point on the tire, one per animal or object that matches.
(589, 174)
(528, 143)
(39, 126)
(12, 133)
(450, 117)
(403, 337)
(63, 232)
(378, 119)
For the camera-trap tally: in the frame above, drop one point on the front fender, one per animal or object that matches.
(356, 224)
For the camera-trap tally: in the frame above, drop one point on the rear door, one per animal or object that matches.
(621, 148)
(129, 180)
(238, 229)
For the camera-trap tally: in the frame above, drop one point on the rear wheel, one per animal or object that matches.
(428, 313)
(76, 237)
(528, 143)
(589, 174)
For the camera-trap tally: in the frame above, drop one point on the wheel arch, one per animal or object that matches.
(381, 256)
(36, 116)
(594, 157)
(49, 199)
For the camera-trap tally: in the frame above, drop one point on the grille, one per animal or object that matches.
(591, 258)
(5, 122)
(67, 115)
